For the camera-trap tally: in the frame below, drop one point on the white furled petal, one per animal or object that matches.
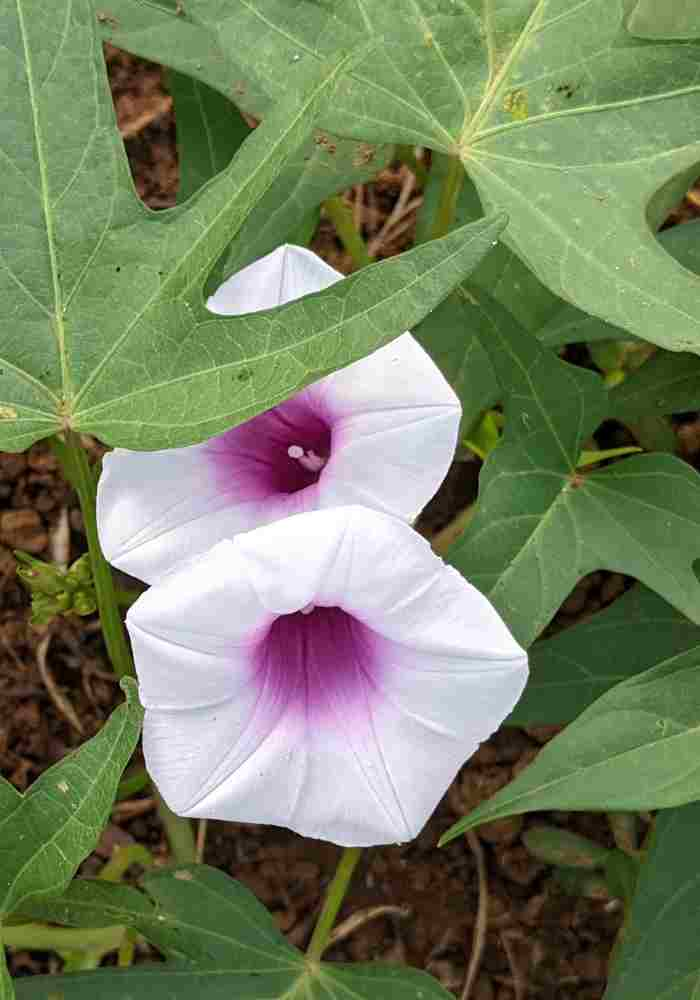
(395, 427)
(288, 273)
(156, 509)
(326, 672)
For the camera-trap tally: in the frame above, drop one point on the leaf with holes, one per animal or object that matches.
(106, 329)
(569, 672)
(659, 953)
(579, 131)
(637, 747)
(218, 941)
(540, 524)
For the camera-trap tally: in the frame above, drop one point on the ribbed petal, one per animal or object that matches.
(350, 675)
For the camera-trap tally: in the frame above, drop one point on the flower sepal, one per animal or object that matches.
(56, 591)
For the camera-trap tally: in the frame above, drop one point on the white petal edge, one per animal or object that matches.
(442, 635)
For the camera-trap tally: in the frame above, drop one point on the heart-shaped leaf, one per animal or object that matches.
(558, 114)
(219, 942)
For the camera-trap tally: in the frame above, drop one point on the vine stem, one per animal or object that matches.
(340, 215)
(43, 938)
(76, 468)
(332, 903)
(447, 202)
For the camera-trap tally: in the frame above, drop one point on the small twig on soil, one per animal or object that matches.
(201, 841)
(482, 914)
(358, 206)
(59, 545)
(63, 706)
(519, 984)
(362, 917)
(160, 106)
(401, 209)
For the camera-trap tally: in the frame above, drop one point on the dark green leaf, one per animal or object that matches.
(48, 831)
(220, 942)
(667, 383)
(568, 672)
(558, 114)
(637, 747)
(659, 956)
(210, 130)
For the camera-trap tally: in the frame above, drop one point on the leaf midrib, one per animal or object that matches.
(57, 324)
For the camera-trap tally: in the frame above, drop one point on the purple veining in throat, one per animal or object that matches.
(253, 461)
(317, 664)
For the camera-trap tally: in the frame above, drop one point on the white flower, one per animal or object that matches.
(327, 673)
(381, 432)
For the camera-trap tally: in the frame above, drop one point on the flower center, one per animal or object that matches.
(318, 662)
(278, 452)
(309, 460)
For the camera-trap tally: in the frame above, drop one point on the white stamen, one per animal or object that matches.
(308, 609)
(309, 460)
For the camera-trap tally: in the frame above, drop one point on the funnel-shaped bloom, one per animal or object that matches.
(327, 673)
(381, 432)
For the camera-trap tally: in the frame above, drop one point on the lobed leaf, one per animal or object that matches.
(218, 940)
(108, 333)
(582, 133)
(540, 524)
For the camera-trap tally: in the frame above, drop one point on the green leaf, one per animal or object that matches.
(540, 524)
(659, 956)
(678, 19)
(210, 130)
(570, 325)
(450, 334)
(579, 131)
(637, 747)
(666, 383)
(219, 942)
(108, 331)
(568, 672)
(46, 833)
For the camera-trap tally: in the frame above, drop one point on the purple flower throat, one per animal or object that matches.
(281, 451)
(319, 663)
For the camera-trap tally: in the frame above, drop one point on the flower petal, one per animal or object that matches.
(288, 273)
(349, 739)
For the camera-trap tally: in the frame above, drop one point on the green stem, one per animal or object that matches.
(76, 468)
(447, 202)
(42, 938)
(332, 903)
(179, 832)
(340, 215)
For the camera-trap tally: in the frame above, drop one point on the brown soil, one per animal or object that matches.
(540, 942)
